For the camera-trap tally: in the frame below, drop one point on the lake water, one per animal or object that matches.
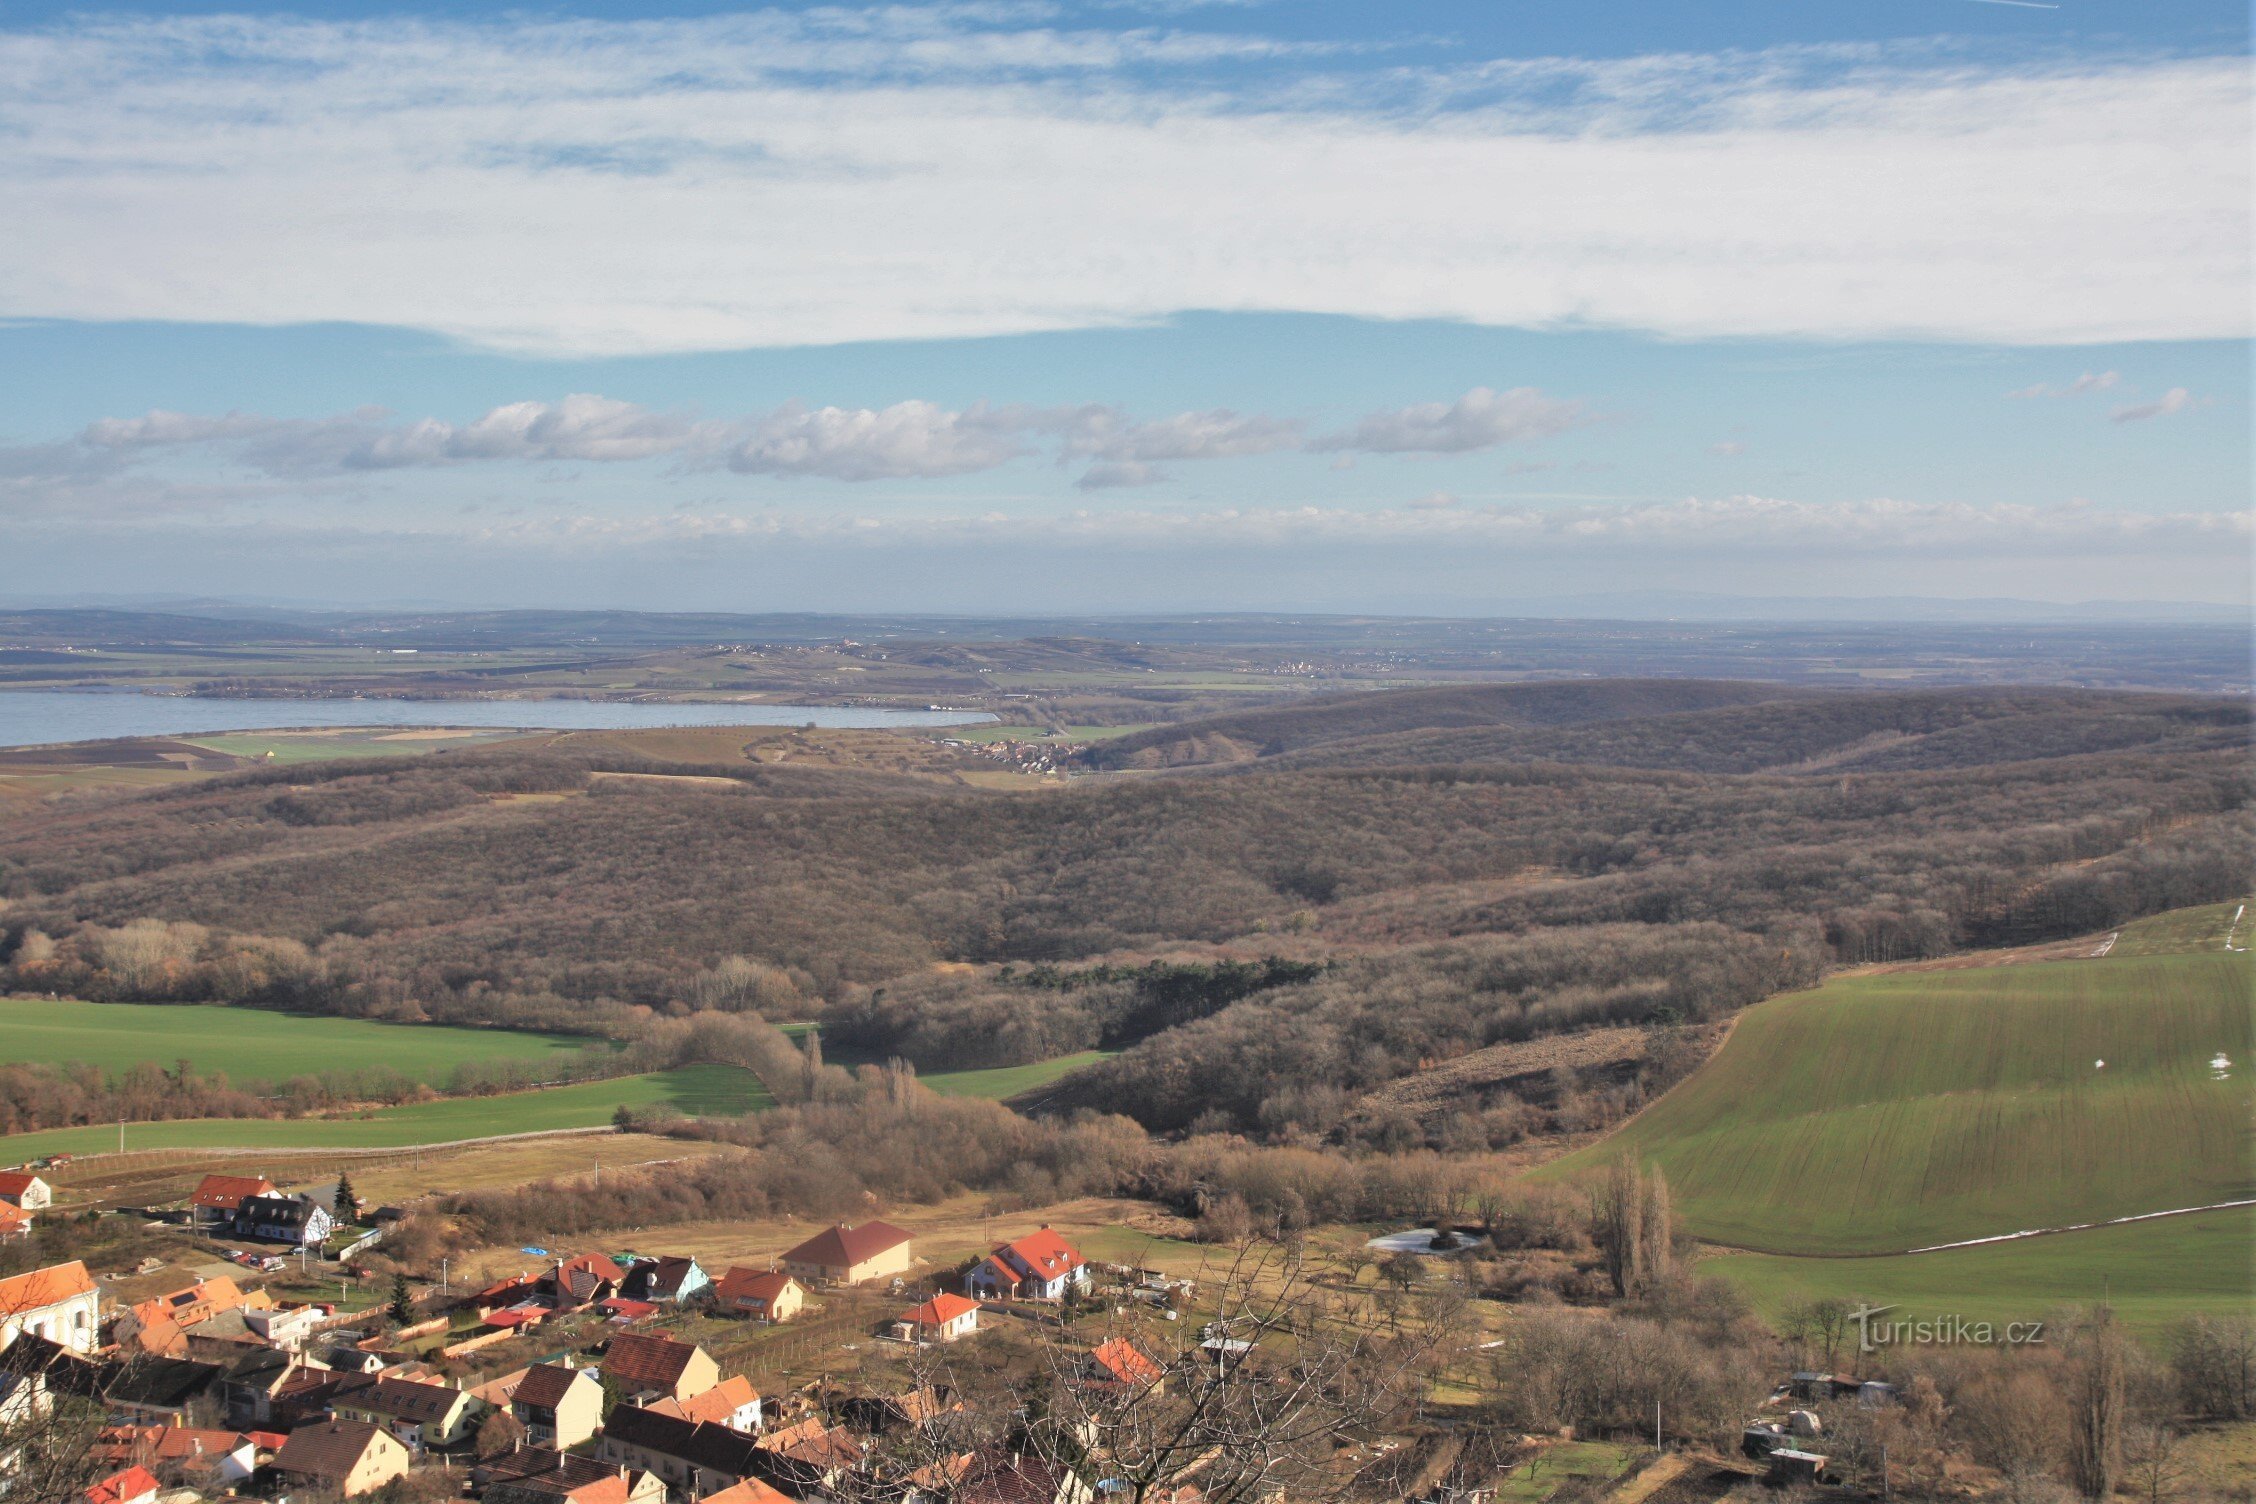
(30, 718)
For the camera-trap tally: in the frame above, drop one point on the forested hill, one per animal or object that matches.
(1269, 732)
(1701, 727)
(1316, 931)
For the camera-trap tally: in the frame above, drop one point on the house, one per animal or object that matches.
(750, 1491)
(646, 1368)
(998, 1476)
(1118, 1366)
(558, 1407)
(161, 1323)
(733, 1403)
(422, 1415)
(59, 1303)
(670, 1279)
(25, 1191)
(543, 1475)
(944, 1318)
(889, 1414)
(345, 1457)
(847, 1255)
(217, 1197)
(810, 1458)
(286, 1327)
(13, 1223)
(136, 1485)
(300, 1221)
(616, 1486)
(249, 1383)
(1039, 1266)
(762, 1294)
(162, 1389)
(580, 1281)
(209, 1461)
(694, 1458)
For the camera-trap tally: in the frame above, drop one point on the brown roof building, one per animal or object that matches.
(652, 1367)
(347, 1457)
(848, 1255)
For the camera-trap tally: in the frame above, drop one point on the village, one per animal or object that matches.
(619, 1379)
(214, 1388)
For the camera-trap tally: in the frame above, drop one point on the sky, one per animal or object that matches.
(1126, 305)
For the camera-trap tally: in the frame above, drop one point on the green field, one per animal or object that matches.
(282, 747)
(2153, 1273)
(2183, 930)
(693, 1090)
(250, 1044)
(1891, 1112)
(1009, 1080)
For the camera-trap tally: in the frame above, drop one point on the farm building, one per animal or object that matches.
(848, 1255)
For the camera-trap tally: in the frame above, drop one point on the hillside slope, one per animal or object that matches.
(1888, 1112)
(1269, 732)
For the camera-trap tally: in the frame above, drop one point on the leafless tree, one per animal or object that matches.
(2095, 1392)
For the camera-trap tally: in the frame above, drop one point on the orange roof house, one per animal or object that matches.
(13, 1223)
(733, 1403)
(1039, 1266)
(1118, 1364)
(943, 1318)
(60, 1303)
(762, 1294)
(136, 1485)
(848, 1255)
(224, 1193)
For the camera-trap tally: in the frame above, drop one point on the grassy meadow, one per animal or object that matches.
(1004, 1081)
(1880, 1113)
(247, 1043)
(693, 1090)
(2154, 1273)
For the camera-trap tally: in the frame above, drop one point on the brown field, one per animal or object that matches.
(823, 747)
(1468, 1075)
(160, 1177)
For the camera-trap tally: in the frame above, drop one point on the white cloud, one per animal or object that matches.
(2176, 400)
(590, 187)
(1481, 419)
(2104, 381)
(1107, 475)
(1727, 447)
(1106, 434)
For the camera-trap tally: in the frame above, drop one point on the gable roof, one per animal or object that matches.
(16, 1182)
(718, 1404)
(44, 1287)
(757, 1286)
(750, 1491)
(844, 1246)
(13, 1219)
(701, 1444)
(134, 1483)
(406, 1399)
(647, 1360)
(941, 1309)
(999, 1477)
(1042, 1253)
(158, 1383)
(280, 1209)
(582, 1276)
(328, 1449)
(1120, 1361)
(662, 1276)
(226, 1192)
(546, 1384)
(562, 1472)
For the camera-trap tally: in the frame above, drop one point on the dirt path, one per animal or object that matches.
(1656, 1476)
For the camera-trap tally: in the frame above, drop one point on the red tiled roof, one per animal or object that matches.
(941, 1309)
(720, 1403)
(759, 1286)
(226, 1192)
(133, 1483)
(843, 1246)
(750, 1491)
(545, 1385)
(44, 1287)
(647, 1361)
(16, 1182)
(1124, 1363)
(1043, 1252)
(13, 1219)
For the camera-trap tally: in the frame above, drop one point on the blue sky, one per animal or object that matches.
(1126, 306)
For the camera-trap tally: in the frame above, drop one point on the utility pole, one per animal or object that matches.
(1656, 1425)
(121, 1135)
